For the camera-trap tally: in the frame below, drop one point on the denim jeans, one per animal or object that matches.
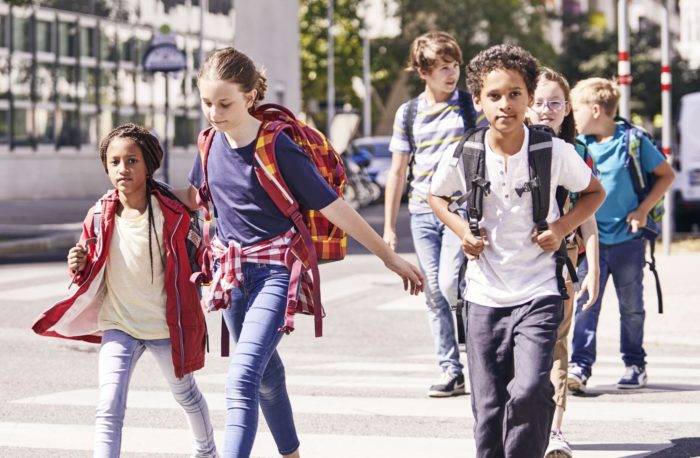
(440, 256)
(256, 374)
(118, 356)
(625, 262)
(509, 352)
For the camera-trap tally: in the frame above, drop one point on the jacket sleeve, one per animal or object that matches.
(87, 232)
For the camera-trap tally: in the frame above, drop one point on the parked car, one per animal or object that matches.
(686, 187)
(372, 153)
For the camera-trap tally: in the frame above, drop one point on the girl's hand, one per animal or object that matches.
(637, 220)
(589, 285)
(412, 277)
(473, 246)
(77, 258)
(549, 240)
(390, 239)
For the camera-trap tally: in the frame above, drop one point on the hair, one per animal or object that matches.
(152, 156)
(601, 91)
(502, 57)
(425, 51)
(567, 131)
(231, 65)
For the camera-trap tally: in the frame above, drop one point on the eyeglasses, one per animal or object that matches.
(552, 105)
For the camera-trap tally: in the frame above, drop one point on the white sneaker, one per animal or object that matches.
(448, 385)
(558, 446)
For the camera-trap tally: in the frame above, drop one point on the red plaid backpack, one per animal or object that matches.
(323, 240)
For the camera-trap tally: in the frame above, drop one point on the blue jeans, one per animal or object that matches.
(440, 256)
(118, 356)
(625, 262)
(256, 374)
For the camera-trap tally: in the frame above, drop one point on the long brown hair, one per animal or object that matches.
(152, 156)
(567, 131)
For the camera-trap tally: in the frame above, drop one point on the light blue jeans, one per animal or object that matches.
(625, 262)
(118, 356)
(256, 374)
(440, 257)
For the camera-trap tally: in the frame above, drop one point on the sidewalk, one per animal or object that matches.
(34, 226)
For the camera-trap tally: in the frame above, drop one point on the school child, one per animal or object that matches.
(552, 107)
(253, 233)
(132, 291)
(621, 221)
(424, 129)
(514, 297)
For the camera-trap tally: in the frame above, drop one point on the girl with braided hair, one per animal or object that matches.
(131, 291)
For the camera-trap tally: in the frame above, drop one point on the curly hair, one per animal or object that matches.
(502, 57)
(152, 156)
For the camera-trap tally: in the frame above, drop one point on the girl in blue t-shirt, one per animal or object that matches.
(230, 86)
(552, 107)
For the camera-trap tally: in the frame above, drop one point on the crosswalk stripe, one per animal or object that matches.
(457, 407)
(370, 366)
(46, 290)
(339, 381)
(177, 441)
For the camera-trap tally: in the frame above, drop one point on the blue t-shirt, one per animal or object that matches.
(609, 158)
(245, 213)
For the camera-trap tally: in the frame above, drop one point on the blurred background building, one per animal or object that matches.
(71, 70)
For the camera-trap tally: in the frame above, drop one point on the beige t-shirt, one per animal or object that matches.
(133, 303)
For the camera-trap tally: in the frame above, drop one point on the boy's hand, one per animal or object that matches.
(637, 220)
(474, 246)
(549, 240)
(589, 285)
(77, 258)
(390, 238)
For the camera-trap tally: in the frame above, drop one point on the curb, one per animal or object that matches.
(38, 244)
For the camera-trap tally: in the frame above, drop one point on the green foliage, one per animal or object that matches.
(19, 2)
(590, 51)
(314, 52)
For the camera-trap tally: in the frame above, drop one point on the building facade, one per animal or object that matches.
(67, 78)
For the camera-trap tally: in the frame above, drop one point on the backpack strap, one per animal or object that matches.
(272, 181)
(408, 119)
(204, 198)
(471, 151)
(540, 170)
(466, 109)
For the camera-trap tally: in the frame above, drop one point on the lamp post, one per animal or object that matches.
(666, 115)
(624, 69)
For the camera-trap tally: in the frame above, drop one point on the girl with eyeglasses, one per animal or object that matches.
(552, 107)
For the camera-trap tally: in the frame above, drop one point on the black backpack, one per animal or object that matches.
(471, 151)
(466, 111)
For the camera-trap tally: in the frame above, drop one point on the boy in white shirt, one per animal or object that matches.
(514, 303)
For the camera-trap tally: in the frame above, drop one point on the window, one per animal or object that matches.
(186, 130)
(45, 123)
(4, 78)
(22, 126)
(67, 127)
(88, 42)
(21, 77)
(108, 81)
(4, 127)
(20, 34)
(44, 36)
(4, 30)
(44, 83)
(66, 88)
(87, 85)
(67, 39)
(108, 47)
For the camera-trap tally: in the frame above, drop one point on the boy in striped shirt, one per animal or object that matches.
(425, 129)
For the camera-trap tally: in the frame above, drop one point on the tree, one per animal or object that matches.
(589, 50)
(314, 53)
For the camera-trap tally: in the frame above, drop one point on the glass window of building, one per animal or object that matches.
(45, 124)
(4, 126)
(4, 31)
(87, 85)
(67, 39)
(21, 77)
(108, 82)
(186, 129)
(66, 86)
(21, 28)
(44, 36)
(67, 125)
(4, 77)
(88, 41)
(108, 46)
(44, 83)
(21, 126)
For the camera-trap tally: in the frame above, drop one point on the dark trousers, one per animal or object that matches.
(509, 352)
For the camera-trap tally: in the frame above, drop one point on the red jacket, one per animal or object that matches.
(75, 317)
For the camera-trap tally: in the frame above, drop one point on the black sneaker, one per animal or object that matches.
(449, 385)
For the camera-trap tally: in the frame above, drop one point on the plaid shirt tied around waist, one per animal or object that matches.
(287, 250)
